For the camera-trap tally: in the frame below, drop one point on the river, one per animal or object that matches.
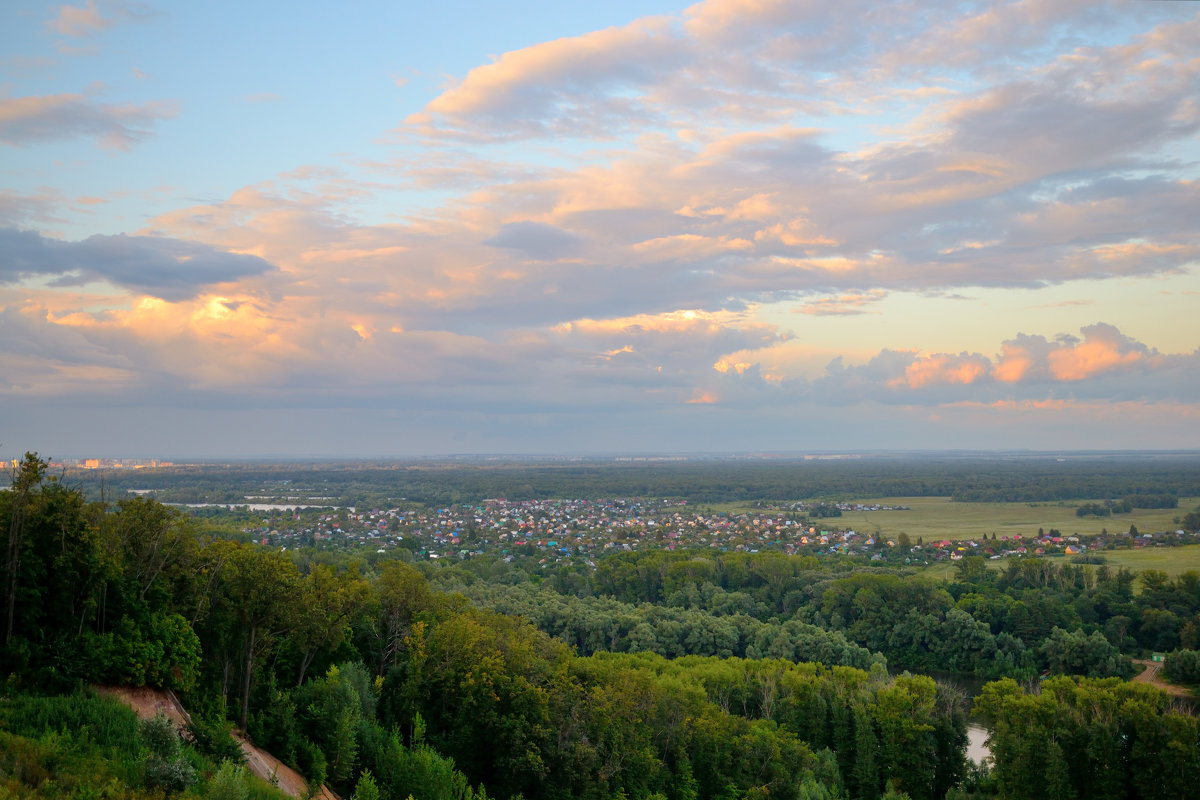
(977, 749)
(257, 506)
(971, 686)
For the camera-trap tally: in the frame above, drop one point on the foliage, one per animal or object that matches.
(213, 740)
(1183, 666)
(674, 675)
(85, 745)
(165, 765)
(1089, 738)
(1080, 654)
(228, 783)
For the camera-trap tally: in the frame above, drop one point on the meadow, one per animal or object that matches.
(1172, 560)
(937, 518)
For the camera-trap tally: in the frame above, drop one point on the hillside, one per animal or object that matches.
(147, 702)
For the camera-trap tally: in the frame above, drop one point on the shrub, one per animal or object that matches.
(159, 736)
(165, 767)
(173, 775)
(213, 739)
(229, 783)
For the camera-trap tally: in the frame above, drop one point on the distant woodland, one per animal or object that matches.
(688, 675)
(968, 479)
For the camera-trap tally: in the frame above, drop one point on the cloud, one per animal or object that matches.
(899, 181)
(541, 89)
(26, 121)
(726, 63)
(1102, 363)
(843, 305)
(78, 21)
(20, 209)
(160, 267)
(1103, 349)
(943, 368)
(536, 241)
(745, 152)
(86, 21)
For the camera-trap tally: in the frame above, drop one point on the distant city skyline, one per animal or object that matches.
(232, 231)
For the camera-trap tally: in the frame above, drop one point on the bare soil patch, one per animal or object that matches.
(147, 702)
(1152, 675)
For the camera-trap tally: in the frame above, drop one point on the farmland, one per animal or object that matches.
(941, 518)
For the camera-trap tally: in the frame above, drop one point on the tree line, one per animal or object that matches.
(968, 479)
(1030, 617)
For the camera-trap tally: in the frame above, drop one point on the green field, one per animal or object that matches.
(936, 518)
(1172, 560)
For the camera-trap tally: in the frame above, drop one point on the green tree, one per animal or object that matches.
(259, 588)
(17, 504)
(327, 603)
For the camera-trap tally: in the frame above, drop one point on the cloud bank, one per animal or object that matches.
(617, 216)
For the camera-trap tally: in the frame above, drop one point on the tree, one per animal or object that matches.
(1080, 654)
(260, 588)
(327, 602)
(401, 593)
(366, 788)
(150, 539)
(25, 482)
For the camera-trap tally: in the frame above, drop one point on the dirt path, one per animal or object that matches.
(148, 702)
(265, 765)
(1151, 676)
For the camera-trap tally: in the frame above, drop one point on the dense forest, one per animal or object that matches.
(1033, 616)
(680, 676)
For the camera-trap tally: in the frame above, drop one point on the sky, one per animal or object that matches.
(376, 229)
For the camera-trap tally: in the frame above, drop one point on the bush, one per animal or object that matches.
(229, 783)
(1183, 666)
(159, 736)
(165, 767)
(173, 775)
(214, 740)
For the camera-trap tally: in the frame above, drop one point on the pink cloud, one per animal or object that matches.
(1104, 363)
(1013, 364)
(846, 304)
(943, 368)
(83, 22)
(1103, 349)
(79, 21)
(531, 82)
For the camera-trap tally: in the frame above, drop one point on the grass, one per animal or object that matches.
(1172, 560)
(85, 746)
(936, 518)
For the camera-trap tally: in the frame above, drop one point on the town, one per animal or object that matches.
(560, 530)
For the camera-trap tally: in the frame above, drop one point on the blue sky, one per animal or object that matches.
(231, 230)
